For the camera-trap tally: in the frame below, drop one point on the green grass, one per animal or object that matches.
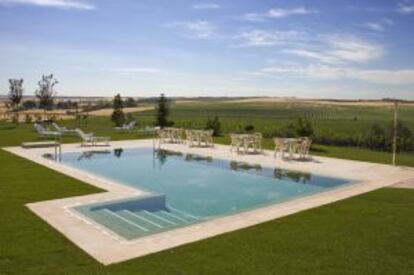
(367, 234)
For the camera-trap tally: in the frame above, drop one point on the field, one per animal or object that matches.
(270, 118)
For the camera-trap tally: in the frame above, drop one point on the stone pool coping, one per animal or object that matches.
(108, 248)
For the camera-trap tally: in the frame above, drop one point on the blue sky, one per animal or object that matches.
(319, 48)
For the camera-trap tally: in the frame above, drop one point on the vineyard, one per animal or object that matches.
(333, 124)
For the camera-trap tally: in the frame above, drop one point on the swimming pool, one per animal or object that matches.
(184, 189)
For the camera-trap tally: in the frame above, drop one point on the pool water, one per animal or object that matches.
(184, 189)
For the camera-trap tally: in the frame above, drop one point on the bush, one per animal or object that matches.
(404, 137)
(130, 102)
(29, 104)
(249, 128)
(376, 138)
(215, 125)
(303, 127)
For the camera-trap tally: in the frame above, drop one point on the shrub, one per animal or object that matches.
(249, 128)
(376, 138)
(303, 127)
(215, 125)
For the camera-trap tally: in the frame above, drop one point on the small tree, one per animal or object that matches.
(249, 128)
(46, 93)
(376, 137)
(303, 127)
(215, 125)
(118, 116)
(15, 92)
(404, 137)
(163, 111)
(29, 104)
(130, 102)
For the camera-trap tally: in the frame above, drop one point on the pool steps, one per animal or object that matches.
(137, 223)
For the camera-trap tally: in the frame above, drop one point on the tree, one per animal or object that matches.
(29, 104)
(118, 116)
(163, 111)
(215, 125)
(130, 102)
(46, 93)
(304, 127)
(376, 137)
(404, 137)
(15, 92)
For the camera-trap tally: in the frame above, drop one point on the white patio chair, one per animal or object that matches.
(90, 139)
(45, 133)
(126, 127)
(189, 137)
(280, 147)
(235, 142)
(62, 129)
(304, 148)
(208, 138)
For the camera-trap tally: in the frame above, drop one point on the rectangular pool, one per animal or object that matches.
(184, 189)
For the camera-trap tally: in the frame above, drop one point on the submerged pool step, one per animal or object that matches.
(132, 224)
(119, 224)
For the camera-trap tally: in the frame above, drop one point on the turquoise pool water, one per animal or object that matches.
(185, 189)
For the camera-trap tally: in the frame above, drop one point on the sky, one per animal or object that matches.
(313, 49)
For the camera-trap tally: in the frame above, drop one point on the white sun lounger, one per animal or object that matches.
(90, 139)
(45, 133)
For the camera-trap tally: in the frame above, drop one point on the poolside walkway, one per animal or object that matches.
(107, 248)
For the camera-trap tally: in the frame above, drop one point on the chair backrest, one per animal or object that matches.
(279, 142)
(233, 138)
(308, 144)
(188, 134)
(258, 136)
(81, 134)
(57, 127)
(39, 128)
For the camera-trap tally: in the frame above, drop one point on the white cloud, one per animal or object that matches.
(280, 13)
(277, 13)
(206, 6)
(388, 21)
(389, 77)
(62, 4)
(196, 29)
(341, 49)
(379, 26)
(269, 38)
(375, 26)
(406, 7)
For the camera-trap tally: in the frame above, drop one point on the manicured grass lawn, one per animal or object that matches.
(367, 234)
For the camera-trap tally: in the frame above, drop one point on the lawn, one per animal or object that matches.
(372, 233)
